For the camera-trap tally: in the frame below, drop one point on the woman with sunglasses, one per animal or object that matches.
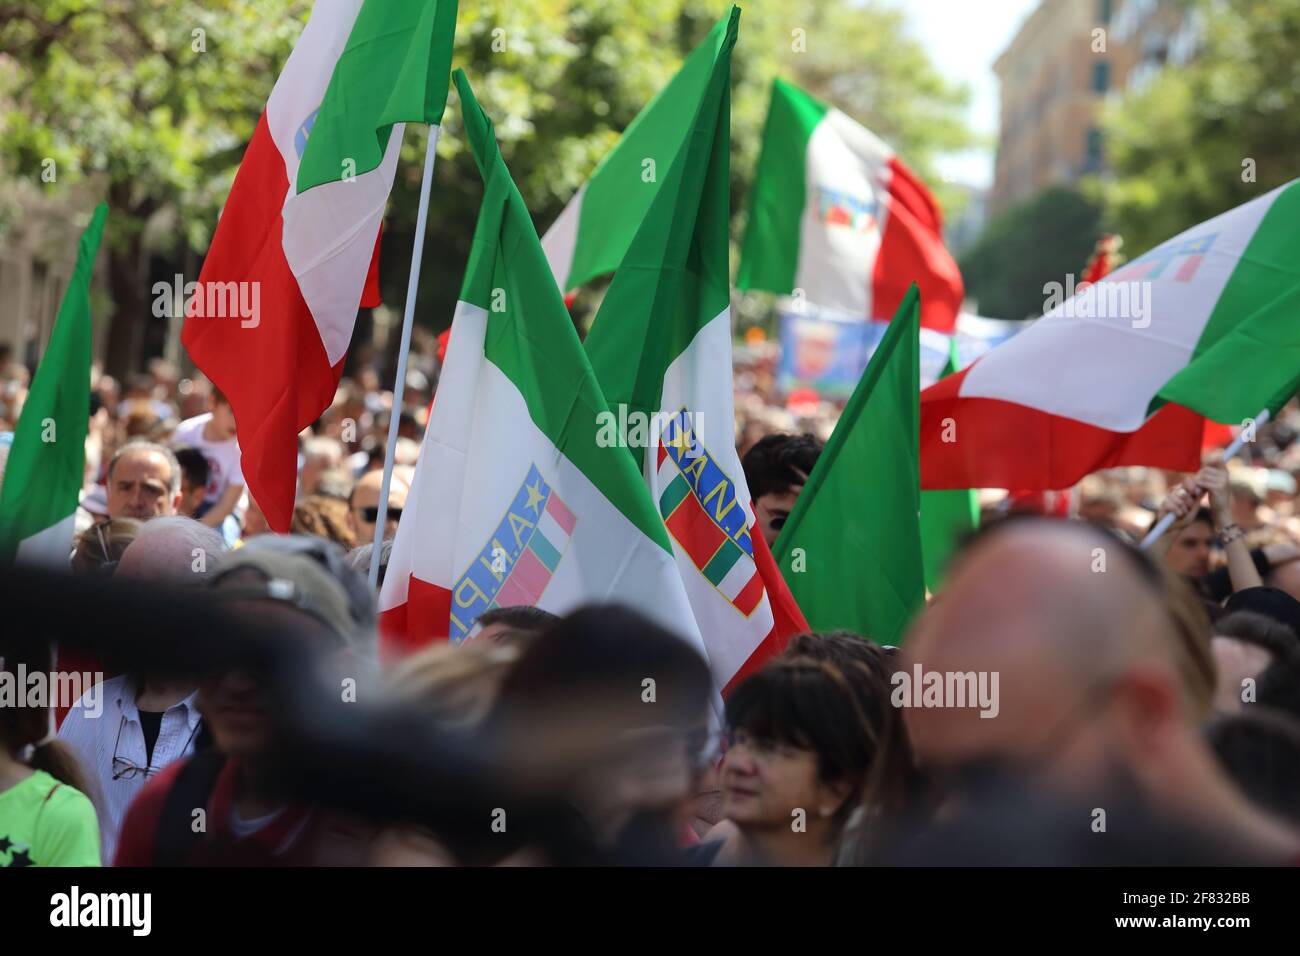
(102, 545)
(97, 552)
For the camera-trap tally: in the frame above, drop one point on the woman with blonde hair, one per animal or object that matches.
(457, 683)
(100, 547)
(457, 686)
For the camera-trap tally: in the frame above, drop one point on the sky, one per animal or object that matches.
(963, 38)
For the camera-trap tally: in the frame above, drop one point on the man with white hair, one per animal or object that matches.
(320, 454)
(148, 721)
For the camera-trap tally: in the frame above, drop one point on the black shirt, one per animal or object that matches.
(151, 724)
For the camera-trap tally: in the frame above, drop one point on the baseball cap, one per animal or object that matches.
(333, 560)
(293, 579)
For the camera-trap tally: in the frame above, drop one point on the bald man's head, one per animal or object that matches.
(173, 550)
(1061, 611)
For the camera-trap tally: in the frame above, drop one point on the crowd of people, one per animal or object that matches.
(1147, 702)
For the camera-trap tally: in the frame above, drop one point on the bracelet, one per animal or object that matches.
(1230, 533)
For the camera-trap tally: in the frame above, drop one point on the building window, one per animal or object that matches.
(1100, 77)
(1092, 161)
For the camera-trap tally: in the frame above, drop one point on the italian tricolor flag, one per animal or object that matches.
(45, 469)
(515, 499)
(836, 218)
(661, 350)
(299, 232)
(1205, 324)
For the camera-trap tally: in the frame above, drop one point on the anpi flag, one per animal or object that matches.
(661, 351)
(298, 235)
(515, 501)
(851, 548)
(1203, 324)
(835, 213)
(45, 468)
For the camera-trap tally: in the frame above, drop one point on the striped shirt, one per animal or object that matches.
(111, 749)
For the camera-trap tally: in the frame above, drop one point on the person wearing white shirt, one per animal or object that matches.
(146, 724)
(213, 434)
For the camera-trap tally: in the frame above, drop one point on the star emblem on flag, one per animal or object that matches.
(535, 496)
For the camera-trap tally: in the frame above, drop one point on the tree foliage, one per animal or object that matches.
(1178, 146)
(1038, 241)
(115, 90)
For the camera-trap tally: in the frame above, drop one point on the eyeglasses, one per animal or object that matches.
(124, 769)
(372, 514)
(760, 748)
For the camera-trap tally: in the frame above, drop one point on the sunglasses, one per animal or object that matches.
(108, 566)
(372, 514)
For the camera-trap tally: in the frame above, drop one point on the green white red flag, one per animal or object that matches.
(1122, 372)
(660, 347)
(297, 242)
(516, 500)
(835, 214)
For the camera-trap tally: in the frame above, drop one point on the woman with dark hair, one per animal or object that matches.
(802, 736)
(46, 819)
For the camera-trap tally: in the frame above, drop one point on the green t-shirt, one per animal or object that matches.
(47, 823)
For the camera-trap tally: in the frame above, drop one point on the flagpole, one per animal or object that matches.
(399, 387)
(1156, 533)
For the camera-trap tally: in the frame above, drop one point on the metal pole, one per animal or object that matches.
(399, 387)
(1231, 451)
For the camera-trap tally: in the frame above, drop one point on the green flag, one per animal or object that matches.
(851, 548)
(591, 237)
(393, 70)
(946, 516)
(43, 475)
(672, 282)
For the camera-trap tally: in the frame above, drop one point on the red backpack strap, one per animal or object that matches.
(192, 788)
